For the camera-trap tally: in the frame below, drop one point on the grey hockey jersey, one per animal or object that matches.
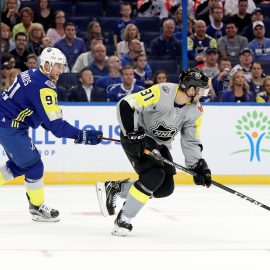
(155, 110)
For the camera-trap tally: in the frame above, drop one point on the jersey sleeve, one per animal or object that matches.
(190, 136)
(50, 114)
(132, 105)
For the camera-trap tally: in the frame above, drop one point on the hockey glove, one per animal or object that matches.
(89, 137)
(203, 173)
(137, 139)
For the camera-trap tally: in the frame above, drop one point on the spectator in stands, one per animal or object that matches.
(10, 14)
(166, 45)
(178, 31)
(232, 44)
(71, 46)
(245, 63)
(210, 67)
(32, 61)
(216, 28)
(35, 35)
(121, 23)
(93, 32)
(20, 52)
(142, 77)
(86, 58)
(160, 77)
(56, 32)
(260, 46)
(135, 49)
(7, 44)
(99, 66)
(231, 7)
(118, 91)
(131, 32)
(221, 81)
(12, 74)
(241, 18)
(44, 14)
(256, 81)
(9, 59)
(265, 95)
(86, 92)
(114, 76)
(238, 89)
(199, 42)
(46, 42)
(27, 16)
(257, 15)
(206, 14)
(5, 67)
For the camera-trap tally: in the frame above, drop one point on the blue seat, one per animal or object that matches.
(170, 65)
(81, 23)
(106, 23)
(173, 78)
(68, 80)
(113, 9)
(147, 37)
(265, 8)
(148, 24)
(66, 6)
(266, 67)
(92, 9)
(32, 4)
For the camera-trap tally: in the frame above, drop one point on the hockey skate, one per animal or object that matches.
(107, 194)
(43, 213)
(122, 225)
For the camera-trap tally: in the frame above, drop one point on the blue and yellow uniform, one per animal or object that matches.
(30, 101)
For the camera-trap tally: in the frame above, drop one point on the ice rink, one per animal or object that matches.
(195, 228)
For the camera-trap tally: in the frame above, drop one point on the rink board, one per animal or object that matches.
(236, 143)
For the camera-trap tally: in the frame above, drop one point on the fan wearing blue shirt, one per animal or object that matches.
(120, 90)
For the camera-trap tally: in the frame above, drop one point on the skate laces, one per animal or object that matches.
(45, 208)
(114, 190)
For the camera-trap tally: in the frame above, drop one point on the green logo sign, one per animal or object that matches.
(253, 127)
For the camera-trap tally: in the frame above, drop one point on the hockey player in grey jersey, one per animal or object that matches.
(151, 119)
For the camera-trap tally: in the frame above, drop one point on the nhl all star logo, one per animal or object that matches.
(163, 132)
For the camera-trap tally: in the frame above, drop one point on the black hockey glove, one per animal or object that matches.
(137, 138)
(92, 137)
(203, 173)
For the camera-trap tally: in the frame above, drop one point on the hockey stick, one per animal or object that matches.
(184, 169)
(242, 196)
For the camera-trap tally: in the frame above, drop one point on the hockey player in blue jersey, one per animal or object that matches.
(31, 101)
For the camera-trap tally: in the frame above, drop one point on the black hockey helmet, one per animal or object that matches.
(193, 77)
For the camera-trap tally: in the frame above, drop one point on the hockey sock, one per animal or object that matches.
(35, 191)
(136, 199)
(125, 188)
(5, 175)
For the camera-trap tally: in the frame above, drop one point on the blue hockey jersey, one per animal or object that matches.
(31, 101)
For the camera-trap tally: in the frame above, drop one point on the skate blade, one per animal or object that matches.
(101, 194)
(42, 219)
(117, 231)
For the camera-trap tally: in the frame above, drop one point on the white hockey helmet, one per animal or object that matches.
(52, 56)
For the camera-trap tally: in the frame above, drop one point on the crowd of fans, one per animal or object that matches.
(227, 39)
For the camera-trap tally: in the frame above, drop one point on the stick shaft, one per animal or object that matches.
(184, 169)
(232, 191)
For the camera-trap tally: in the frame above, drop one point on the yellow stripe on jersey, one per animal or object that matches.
(138, 195)
(148, 96)
(20, 118)
(198, 124)
(2, 179)
(48, 99)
